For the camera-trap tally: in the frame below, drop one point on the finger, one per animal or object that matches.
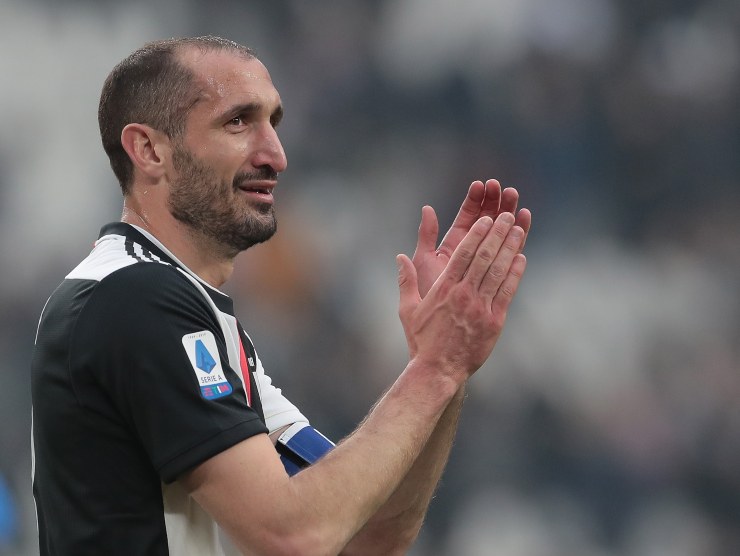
(509, 200)
(464, 254)
(408, 286)
(524, 221)
(499, 268)
(507, 290)
(469, 212)
(428, 232)
(492, 200)
(488, 250)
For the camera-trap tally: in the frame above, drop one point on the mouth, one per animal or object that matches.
(259, 190)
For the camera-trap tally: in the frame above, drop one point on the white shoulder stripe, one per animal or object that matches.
(111, 253)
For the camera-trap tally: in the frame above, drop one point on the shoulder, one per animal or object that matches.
(146, 304)
(146, 279)
(138, 317)
(115, 251)
(122, 283)
(128, 287)
(148, 290)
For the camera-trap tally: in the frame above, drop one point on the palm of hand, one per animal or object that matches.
(429, 265)
(482, 200)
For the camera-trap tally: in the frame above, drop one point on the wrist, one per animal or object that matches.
(441, 379)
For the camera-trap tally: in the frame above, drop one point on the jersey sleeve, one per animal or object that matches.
(278, 410)
(149, 343)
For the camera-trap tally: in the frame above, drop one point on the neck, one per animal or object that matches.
(204, 256)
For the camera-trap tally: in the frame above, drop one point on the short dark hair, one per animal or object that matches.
(152, 86)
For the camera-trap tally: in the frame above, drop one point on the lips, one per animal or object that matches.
(263, 187)
(257, 189)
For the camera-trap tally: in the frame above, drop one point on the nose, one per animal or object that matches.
(270, 151)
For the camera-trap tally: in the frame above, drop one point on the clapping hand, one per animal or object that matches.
(482, 200)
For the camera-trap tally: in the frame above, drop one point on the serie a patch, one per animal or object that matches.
(203, 354)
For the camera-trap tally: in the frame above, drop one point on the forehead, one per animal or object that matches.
(226, 78)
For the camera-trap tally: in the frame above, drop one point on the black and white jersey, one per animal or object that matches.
(140, 372)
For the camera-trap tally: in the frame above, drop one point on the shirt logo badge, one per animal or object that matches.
(203, 355)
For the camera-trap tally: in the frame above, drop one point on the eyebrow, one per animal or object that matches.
(251, 108)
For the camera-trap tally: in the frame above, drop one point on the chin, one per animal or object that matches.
(254, 235)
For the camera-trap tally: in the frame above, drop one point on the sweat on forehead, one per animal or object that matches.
(214, 68)
(217, 77)
(211, 43)
(193, 55)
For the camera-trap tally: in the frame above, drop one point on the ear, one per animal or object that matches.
(147, 148)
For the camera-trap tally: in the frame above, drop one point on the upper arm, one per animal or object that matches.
(247, 491)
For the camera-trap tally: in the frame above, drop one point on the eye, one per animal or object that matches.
(236, 120)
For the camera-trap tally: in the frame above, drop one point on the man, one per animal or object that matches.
(155, 425)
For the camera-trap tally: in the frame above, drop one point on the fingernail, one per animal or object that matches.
(507, 218)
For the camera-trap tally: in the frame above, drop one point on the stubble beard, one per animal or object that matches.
(213, 209)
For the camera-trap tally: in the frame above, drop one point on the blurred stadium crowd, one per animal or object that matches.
(607, 422)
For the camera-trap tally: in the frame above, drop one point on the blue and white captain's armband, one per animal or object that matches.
(300, 445)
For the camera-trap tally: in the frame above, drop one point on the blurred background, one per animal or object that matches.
(607, 423)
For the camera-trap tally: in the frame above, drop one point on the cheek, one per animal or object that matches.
(228, 164)
(222, 150)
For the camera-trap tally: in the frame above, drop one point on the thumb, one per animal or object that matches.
(408, 285)
(428, 232)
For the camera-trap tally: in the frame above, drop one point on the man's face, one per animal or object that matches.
(228, 160)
